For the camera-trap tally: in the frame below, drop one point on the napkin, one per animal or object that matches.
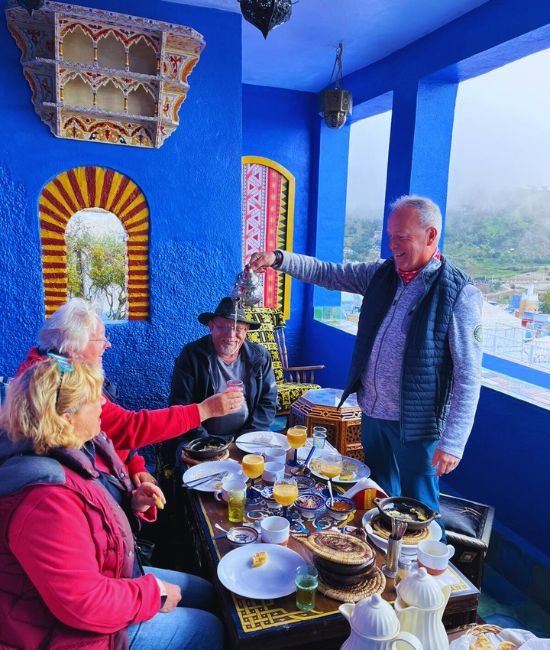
(363, 484)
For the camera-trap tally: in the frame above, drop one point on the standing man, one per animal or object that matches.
(205, 366)
(416, 365)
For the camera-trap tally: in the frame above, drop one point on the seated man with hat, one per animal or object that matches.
(204, 367)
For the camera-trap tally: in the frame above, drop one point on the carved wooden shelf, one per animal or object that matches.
(102, 76)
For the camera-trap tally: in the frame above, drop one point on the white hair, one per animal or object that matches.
(429, 213)
(69, 330)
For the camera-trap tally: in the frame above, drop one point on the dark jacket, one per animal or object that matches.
(193, 377)
(426, 376)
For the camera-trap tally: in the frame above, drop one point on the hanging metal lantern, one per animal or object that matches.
(336, 104)
(266, 14)
(31, 5)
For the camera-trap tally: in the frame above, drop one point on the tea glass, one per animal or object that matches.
(307, 580)
(319, 437)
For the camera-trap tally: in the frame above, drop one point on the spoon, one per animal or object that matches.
(330, 492)
(220, 528)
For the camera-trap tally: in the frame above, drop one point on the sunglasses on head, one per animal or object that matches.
(64, 366)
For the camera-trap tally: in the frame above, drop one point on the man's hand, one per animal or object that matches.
(444, 462)
(220, 404)
(143, 477)
(259, 262)
(173, 596)
(147, 495)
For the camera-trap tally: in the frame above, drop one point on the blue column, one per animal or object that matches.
(420, 144)
(331, 202)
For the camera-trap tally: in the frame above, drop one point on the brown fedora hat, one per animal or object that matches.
(226, 309)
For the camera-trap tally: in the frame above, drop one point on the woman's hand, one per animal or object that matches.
(143, 477)
(147, 495)
(172, 593)
(220, 404)
(259, 262)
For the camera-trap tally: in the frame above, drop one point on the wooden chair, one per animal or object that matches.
(292, 381)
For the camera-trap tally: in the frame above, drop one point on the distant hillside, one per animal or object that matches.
(510, 235)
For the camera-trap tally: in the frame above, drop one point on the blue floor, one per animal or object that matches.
(503, 604)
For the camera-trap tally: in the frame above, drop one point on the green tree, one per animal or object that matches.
(96, 267)
(545, 303)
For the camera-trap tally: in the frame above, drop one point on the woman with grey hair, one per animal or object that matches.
(78, 333)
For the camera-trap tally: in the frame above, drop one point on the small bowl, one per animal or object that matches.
(309, 504)
(304, 483)
(242, 535)
(267, 496)
(341, 508)
(206, 447)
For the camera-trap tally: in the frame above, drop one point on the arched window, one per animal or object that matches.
(94, 187)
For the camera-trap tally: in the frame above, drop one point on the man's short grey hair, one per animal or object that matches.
(429, 213)
(69, 330)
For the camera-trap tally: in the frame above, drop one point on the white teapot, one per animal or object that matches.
(420, 604)
(374, 626)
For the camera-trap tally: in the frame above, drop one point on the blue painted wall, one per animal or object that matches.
(507, 464)
(282, 125)
(192, 184)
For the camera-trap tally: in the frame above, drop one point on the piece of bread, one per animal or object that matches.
(507, 645)
(258, 559)
(481, 642)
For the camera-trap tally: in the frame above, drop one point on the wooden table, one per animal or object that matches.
(278, 623)
(318, 408)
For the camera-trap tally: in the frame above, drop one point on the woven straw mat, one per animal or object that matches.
(374, 584)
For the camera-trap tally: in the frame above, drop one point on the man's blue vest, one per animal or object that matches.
(426, 374)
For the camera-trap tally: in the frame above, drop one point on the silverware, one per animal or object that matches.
(263, 444)
(304, 469)
(220, 527)
(204, 479)
(330, 492)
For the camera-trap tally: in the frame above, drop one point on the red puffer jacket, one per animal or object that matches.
(65, 551)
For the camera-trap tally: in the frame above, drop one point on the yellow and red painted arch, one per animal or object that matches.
(94, 187)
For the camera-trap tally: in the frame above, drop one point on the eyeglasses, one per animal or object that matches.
(104, 340)
(64, 366)
(227, 329)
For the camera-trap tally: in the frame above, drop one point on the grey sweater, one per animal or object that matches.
(379, 395)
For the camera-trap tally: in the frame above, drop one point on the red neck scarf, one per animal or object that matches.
(409, 276)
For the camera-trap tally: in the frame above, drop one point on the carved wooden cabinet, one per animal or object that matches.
(103, 76)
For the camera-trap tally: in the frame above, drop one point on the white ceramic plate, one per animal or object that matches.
(261, 441)
(409, 549)
(361, 470)
(202, 470)
(273, 579)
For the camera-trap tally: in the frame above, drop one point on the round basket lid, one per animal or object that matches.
(339, 548)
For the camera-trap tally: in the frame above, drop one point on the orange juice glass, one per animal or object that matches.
(285, 493)
(296, 436)
(253, 465)
(331, 464)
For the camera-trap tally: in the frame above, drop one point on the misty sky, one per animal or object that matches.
(501, 138)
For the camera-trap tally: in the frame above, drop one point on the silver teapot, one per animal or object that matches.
(247, 289)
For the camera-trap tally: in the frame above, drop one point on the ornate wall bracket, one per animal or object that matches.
(102, 76)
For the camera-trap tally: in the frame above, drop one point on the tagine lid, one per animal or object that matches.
(338, 547)
(419, 589)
